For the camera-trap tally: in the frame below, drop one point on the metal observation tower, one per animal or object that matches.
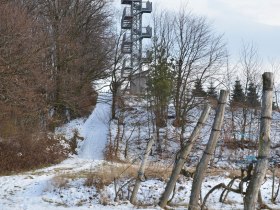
(133, 36)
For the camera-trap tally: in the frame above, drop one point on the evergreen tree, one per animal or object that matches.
(160, 88)
(252, 96)
(238, 96)
(198, 89)
(212, 93)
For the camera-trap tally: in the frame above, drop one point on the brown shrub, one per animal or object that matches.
(235, 144)
(25, 152)
(73, 142)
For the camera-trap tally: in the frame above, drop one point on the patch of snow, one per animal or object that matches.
(95, 130)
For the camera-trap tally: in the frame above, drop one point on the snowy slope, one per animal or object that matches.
(95, 130)
(26, 191)
(51, 188)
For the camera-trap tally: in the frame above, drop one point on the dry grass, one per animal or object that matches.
(158, 171)
(230, 173)
(59, 182)
(106, 173)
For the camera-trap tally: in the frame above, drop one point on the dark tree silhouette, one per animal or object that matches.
(252, 96)
(211, 92)
(198, 89)
(238, 96)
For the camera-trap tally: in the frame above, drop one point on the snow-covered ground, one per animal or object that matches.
(95, 130)
(30, 191)
(85, 181)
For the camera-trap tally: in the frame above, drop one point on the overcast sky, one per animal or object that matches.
(249, 21)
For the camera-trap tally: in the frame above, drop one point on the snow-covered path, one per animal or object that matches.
(95, 130)
(26, 191)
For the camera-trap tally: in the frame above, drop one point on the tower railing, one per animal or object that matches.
(127, 18)
(129, 1)
(126, 69)
(126, 44)
(147, 7)
(146, 32)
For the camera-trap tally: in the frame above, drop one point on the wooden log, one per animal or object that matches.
(141, 171)
(208, 153)
(184, 153)
(264, 144)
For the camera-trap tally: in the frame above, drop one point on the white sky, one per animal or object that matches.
(249, 21)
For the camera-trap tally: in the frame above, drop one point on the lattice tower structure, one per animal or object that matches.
(132, 20)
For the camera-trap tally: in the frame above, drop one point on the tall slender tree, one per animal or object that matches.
(160, 80)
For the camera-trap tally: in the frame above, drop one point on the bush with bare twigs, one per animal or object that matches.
(25, 152)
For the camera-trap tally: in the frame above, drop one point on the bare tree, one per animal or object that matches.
(50, 53)
(199, 54)
(78, 49)
(250, 65)
(160, 72)
(117, 79)
(20, 77)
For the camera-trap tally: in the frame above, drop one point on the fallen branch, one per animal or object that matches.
(221, 185)
(222, 197)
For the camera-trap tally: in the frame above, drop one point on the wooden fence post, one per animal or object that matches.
(141, 171)
(184, 153)
(210, 148)
(264, 144)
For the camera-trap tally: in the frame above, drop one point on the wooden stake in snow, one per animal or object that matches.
(141, 171)
(264, 144)
(210, 148)
(184, 153)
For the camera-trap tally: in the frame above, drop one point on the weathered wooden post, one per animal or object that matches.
(141, 171)
(210, 148)
(184, 153)
(264, 144)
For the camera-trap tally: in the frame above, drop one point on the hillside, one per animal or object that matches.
(87, 180)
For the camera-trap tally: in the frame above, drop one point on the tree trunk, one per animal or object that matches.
(243, 132)
(202, 165)
(184, 153)
(113, 107)
(178, 117)
(115, 89)
(264, 144)
(141, 171)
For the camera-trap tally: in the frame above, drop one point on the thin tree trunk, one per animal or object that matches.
(244, 126)
(141, 171)
(184, 153)
(202, 166)
(233, 125)
(264, 144)
(113, 107)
